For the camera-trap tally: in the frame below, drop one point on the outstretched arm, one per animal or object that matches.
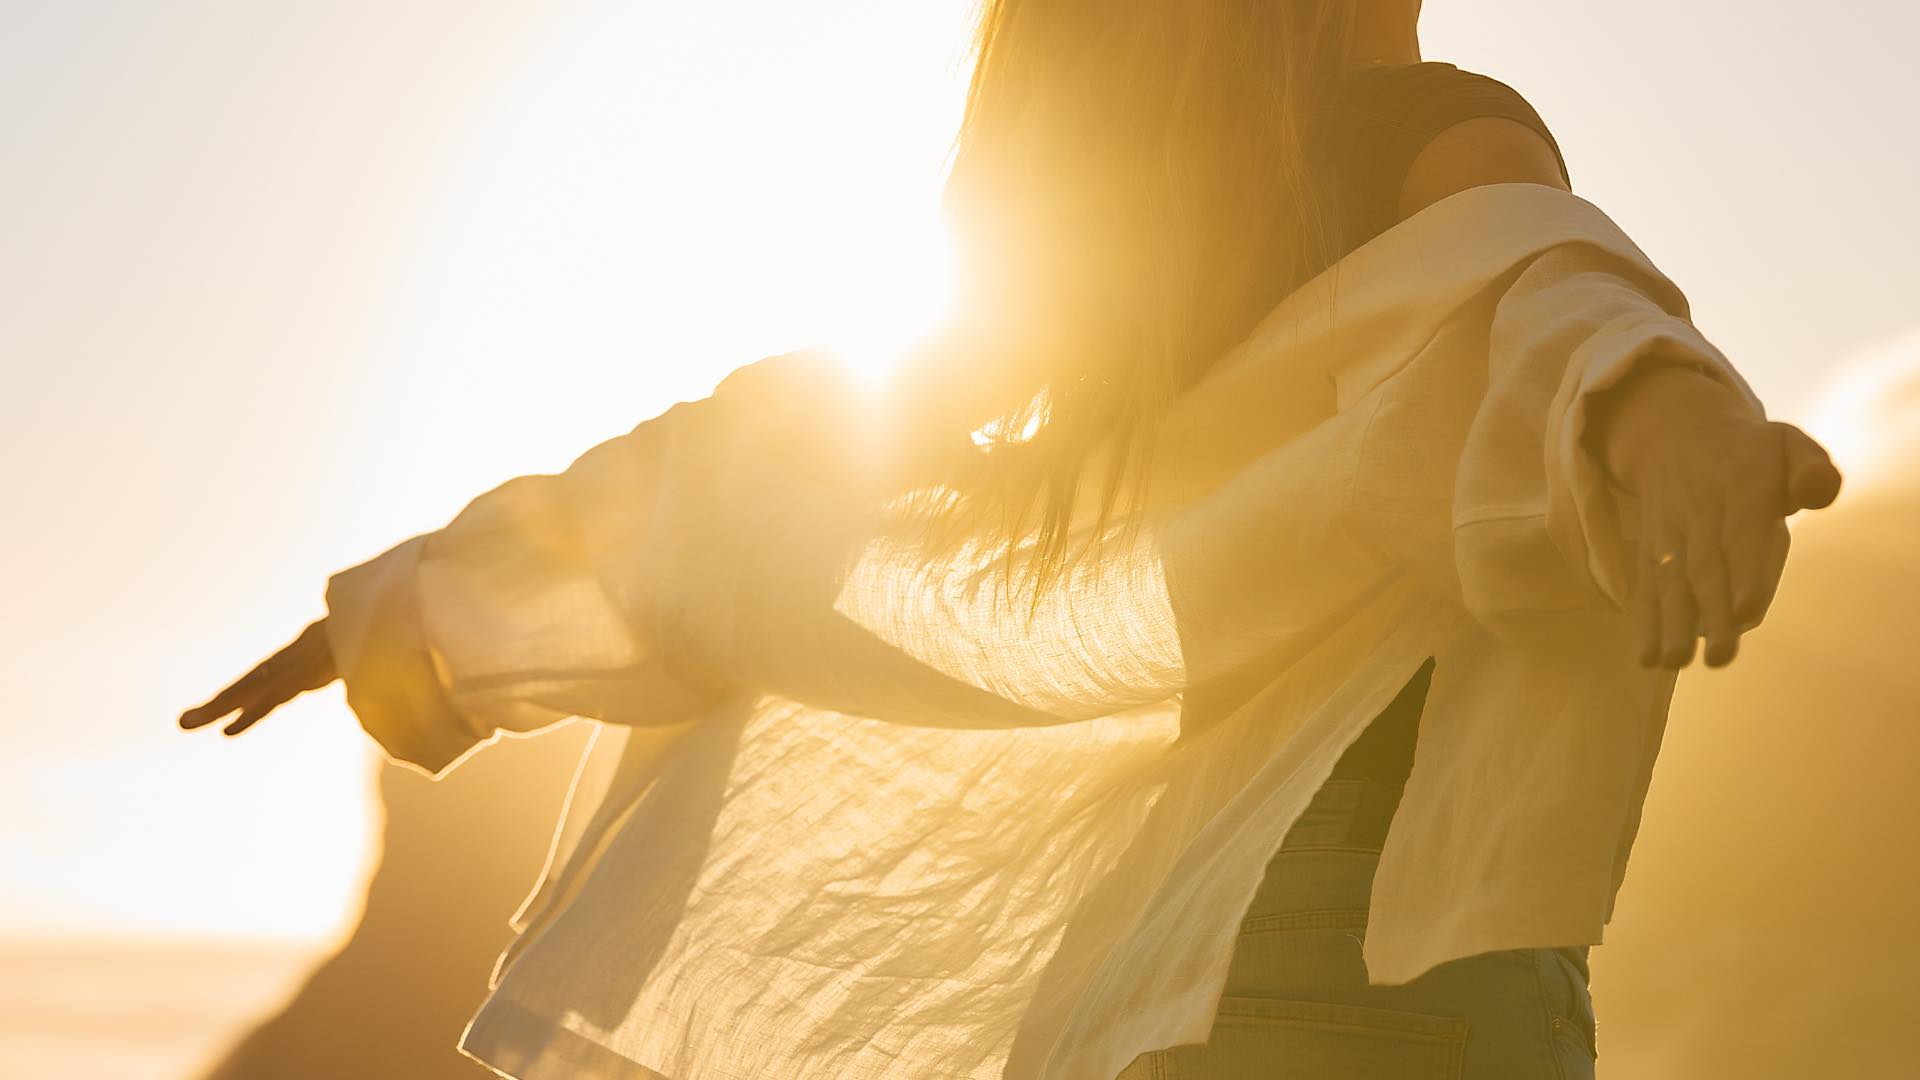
(530, 607)
(1714, 480)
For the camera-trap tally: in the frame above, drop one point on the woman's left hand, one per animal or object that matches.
(306, 664)
(1715, 485)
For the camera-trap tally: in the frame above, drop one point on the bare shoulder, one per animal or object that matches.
(1476, 152)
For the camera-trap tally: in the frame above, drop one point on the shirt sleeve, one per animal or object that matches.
(534, 605)
(1538, 529)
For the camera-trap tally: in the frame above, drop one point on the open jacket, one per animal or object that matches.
(897, 829)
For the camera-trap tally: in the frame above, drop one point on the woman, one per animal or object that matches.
(1136, 186)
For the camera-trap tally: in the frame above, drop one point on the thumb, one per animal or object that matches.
(1812, 480)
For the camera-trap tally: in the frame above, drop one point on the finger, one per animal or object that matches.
(1646, 606)
(1678, 621)
(269, 699)
(1757, 543)
(247, 719)
(1812, 481)
(236, 696)
(1707, 578)
(201, 716)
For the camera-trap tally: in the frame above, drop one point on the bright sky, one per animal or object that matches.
(282, 284)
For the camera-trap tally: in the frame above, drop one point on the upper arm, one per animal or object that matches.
(1472, 153)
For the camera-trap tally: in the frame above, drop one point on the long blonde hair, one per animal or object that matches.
(1130, 190)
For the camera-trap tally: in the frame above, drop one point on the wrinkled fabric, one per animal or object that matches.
(847, 814)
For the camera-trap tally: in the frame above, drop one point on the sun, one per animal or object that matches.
(1865, 412)
(649, 197)
(662, 195)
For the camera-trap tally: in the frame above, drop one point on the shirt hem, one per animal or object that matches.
(520, 1044)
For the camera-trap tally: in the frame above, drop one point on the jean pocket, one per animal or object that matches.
(1573, 1020)
(1260, 1037)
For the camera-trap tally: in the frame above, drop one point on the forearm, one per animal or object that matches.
(1543, 521)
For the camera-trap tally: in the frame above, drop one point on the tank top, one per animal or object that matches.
(1379, 119)
(1377, 123)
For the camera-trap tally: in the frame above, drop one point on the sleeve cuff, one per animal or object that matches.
(387, 664)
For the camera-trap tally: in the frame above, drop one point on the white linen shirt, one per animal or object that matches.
(908, 833)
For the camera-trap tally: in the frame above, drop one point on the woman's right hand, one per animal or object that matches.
(306, 664)
(1715, 485)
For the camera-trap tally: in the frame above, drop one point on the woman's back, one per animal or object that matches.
(1297, 962)
(1380, 120)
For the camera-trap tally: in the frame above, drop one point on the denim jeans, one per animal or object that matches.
(1297, 1005)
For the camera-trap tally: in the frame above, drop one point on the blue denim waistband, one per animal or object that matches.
(1346, 812)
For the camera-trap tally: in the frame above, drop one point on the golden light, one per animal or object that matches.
(629, 225)
(644, 198)
(656, 197)
(1867, 414)
(288, 283)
